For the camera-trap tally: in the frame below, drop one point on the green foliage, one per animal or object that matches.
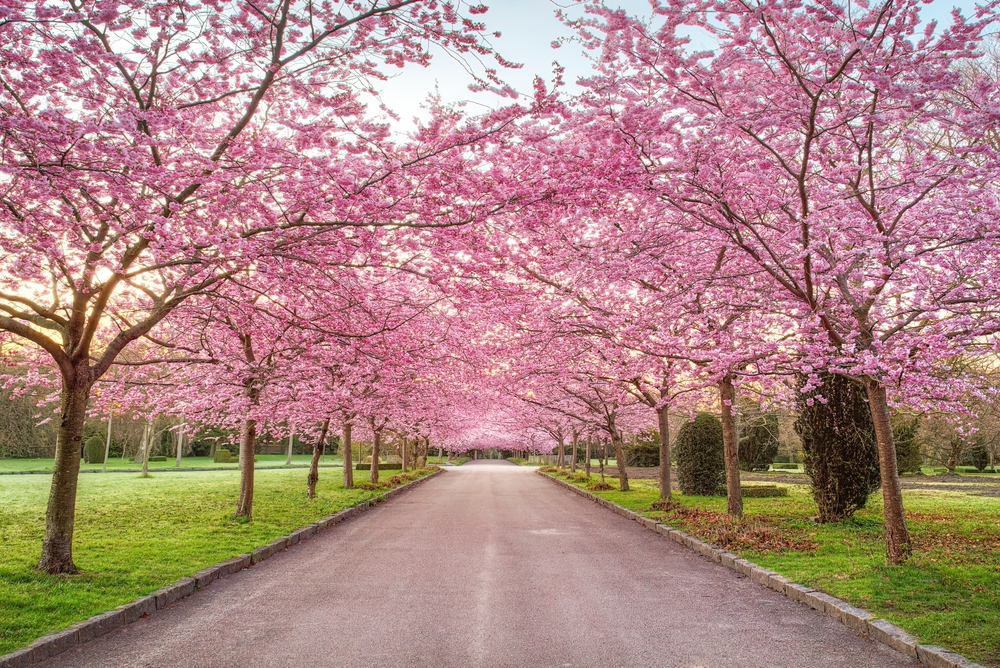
(646, 449)
(93, 450)
(223, 457)
(904, 433)
(700, 456)
(977, 455)
(159, 458)
(383, 466)
(758, 438)
(838, 439)
(785, 467)
(763, 491)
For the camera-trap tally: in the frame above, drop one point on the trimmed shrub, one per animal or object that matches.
(645, 451)
(838, 439)
(904, 433)
(383, 466)
(785, 467)
(93, 450)
(758, 439)
(223, 457)
(977, 455)
(158, 458)
(763, 491)
(701, 468)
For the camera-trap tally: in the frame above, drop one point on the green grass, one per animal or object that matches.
(947, 594)
(135, 535)
(117, 463)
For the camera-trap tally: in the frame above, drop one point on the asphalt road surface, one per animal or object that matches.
(486, 565)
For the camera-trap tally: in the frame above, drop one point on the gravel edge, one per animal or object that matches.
(858, 620)
(58, 642)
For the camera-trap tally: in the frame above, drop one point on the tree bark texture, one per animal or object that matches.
(586, 466)
(616, 442)
(561, 461)
(288, 458)
(897, 537)
(147, 439)
(60, 514)
(404, 452)
(727, 394)
(318, 449)
(376, 446)
(107, 443)
(348, 456)
(576, 445)
(666, 491)
(244, 507)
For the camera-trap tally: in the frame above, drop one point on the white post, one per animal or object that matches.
(107, 444)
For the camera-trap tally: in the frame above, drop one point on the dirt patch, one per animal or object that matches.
(720, 529)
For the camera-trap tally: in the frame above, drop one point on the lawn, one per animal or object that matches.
(117, 463)
(135, 535)
(947, 594)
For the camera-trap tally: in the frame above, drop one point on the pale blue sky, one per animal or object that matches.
(528, 27)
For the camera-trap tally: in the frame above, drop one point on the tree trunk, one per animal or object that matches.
(60, 515)
(107, 443)
(586, 466)
(405, 454)
(603, 457)
(180, 444)
(616, 442)
(288, 458)
(348, 456)
(561, 461)
(576, 444)
(897, 538)
(244, 507)
(313, 476)
(376, 446)
(727, 394)
(148, 439)
(666, 491)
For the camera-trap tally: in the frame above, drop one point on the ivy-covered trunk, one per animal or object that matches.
(60, 514)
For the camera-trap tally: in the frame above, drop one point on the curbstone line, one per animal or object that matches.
(938, 657)
(173, 592)
(138, 608)
(18, 659)
(893, 636)
(856, 619)
(58, 642)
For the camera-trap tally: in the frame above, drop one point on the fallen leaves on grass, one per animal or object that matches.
(724, 531)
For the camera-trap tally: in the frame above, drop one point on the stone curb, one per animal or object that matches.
(58, 642)
(858, 620)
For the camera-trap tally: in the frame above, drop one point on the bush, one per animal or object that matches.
(223, 457)
(763, 491)
(904, 433)
(370, 486)
(785, 467)
(600, 486)
(701, 468)
(158, 458)
(977, 455)
(93, 450)
(758, 439)
(838, 439)
(645, 451)
(548, 469)
(383, 466)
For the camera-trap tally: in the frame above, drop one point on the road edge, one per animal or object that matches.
(857, 620)
(53, 644)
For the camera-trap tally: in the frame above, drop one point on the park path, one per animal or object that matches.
(486, 565)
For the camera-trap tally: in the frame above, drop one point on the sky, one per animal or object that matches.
(528, 28)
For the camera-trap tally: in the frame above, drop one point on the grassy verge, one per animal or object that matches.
(117, 463)
(136, 535)
(947, 594)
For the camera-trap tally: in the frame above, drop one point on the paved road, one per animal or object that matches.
(486, 565)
